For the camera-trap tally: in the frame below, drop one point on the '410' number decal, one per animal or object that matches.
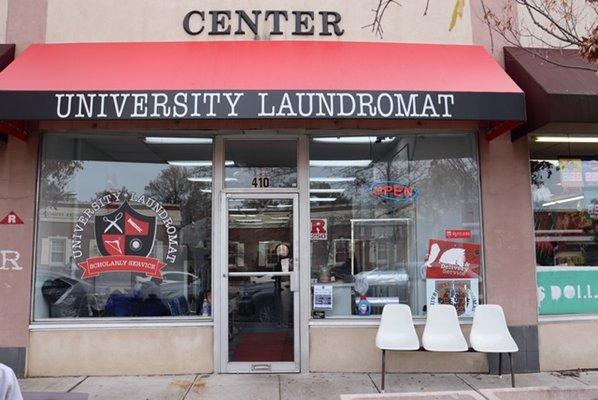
(260, 182)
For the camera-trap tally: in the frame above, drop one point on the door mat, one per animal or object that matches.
(264, 346)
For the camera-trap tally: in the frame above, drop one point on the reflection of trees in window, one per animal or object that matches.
(172, 186)
(541, 171)
(55, 175)
(125, 194)
(278, 176)
(449, 185)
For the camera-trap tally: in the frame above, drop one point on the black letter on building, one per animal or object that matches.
(276, 29)
(219, 19)
(243, 17)
(301, 22)
(187, 22)
(326, 23)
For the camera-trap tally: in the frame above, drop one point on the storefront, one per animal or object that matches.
(250, 206)
(562, 130)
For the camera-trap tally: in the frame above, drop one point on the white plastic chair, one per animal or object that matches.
(490, 334)
(442, 331)
(396, 332)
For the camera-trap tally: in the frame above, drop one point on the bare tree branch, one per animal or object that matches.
(554, 24)
(379, 13)
(427, 6)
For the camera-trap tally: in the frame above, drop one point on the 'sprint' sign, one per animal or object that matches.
(457, 234)
(567, 290)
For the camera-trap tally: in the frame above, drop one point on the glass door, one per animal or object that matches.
(262, 281)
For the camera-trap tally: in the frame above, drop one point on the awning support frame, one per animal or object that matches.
(498, 128)
(14, 128)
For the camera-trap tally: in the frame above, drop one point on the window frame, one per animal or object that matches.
(51, 241)
(374, 320)
(107, 322)
(562, 317)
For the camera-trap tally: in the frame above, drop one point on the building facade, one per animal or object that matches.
(214, 188)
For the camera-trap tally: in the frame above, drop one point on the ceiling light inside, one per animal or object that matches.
(339, 163)
(322, 199)
(551, 203)
(566, 139)
(332, 179)
(353, 139)
(176, 140)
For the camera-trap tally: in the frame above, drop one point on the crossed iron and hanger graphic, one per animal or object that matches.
(113, 223)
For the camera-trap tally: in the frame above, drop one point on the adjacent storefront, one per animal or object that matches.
(562, 129)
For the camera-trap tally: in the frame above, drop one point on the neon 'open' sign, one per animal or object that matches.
(395, 191)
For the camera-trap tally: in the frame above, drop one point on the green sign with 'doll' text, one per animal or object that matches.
(567, 290)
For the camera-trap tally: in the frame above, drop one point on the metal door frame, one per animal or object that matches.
(257, 367)
(219, 192)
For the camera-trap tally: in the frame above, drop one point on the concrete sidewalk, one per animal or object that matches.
(287, 386)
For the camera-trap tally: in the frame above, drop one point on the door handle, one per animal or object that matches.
(294, 279)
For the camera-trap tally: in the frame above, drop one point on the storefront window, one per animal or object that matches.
(394, 219)
(564, 178)
(261, 164)
(124, 226)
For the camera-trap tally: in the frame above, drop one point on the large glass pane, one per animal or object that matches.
(260, 315)
(395, 219)
(124, 226)
(261, 163)
(260, 307)
(564, 178)
(258, 230)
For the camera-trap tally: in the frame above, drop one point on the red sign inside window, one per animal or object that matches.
(450, 260)
(319, 229)
(457, 234)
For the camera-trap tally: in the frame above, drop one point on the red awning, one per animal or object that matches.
(258, 79)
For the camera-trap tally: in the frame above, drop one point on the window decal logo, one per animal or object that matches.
(124, 237)
(125, 232)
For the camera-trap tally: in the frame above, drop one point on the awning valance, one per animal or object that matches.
(258, 79)
(559, 85)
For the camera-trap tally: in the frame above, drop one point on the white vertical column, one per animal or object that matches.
(304, 248)
(219, 308)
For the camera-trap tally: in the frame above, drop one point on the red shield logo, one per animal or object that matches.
(125, 232)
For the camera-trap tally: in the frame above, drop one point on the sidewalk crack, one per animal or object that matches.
(470, 385)
(373, 383)
(77, 384)
(189, 388)
(279, 388)
(579, 380)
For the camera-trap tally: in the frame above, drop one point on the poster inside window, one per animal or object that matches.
(395, 218)
(564, 179)
(124, 226)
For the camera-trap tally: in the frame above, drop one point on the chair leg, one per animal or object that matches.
(499, 364)
(383, 368)
(512, 372)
